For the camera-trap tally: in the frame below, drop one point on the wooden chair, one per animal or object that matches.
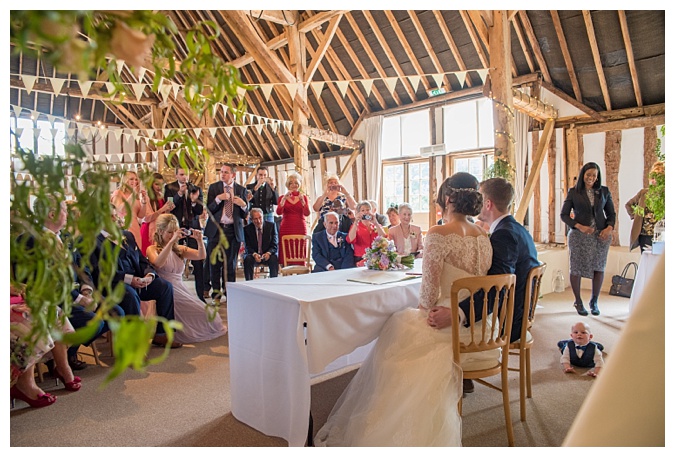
(523, 346)
(297, 248)
(490, 333)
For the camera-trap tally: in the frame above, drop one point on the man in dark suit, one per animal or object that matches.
(140, 280)
(188, 199)
(330, 249)
(226, 200)
(263, 194)
(261, 240)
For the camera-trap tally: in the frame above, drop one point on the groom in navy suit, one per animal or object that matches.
(330, 251)
(513, 251)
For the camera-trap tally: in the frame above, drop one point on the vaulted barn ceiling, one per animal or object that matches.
(601, 61)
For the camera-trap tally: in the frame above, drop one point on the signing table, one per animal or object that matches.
(284, 331)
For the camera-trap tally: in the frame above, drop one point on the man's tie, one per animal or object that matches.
(227, 207)
(331, 240)
(259, 241)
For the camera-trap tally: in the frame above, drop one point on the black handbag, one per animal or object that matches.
(621, 285)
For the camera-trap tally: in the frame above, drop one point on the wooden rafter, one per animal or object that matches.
(566, 55)
(630, 57)
(539, 57)
(590, 30)
(406, 47)
(555, 91)
(451, 43)
(323, 47)
(533, 176)
(474, 39)
(331, 137)
(523, 45)
(438, 67)
(283, 17)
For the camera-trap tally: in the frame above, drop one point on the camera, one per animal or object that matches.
(192, 188)
(187, 232)
(367, 217)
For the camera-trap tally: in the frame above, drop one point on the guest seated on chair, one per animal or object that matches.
(330, 250)
(344, 221)
(261, 241)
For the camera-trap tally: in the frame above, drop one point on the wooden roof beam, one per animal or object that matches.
(324, 44)
(427, 46)
(283, 17)
(590, 30)
(533, 176)
(523, 45)
(566, 55)
(451, 43)
(406, 47)
(529, 31)
(630, 57)
(330, 137)
(533, 107)
(555, 91)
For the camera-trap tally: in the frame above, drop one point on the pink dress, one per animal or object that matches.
(187, 308)
(121, 208)
(293, 222)
(148, 228)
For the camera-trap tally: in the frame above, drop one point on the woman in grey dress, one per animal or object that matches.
(592, 225)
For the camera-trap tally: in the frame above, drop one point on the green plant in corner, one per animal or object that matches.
(500, 168)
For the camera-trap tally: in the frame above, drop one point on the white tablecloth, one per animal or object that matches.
(648, 263)
(271, 365)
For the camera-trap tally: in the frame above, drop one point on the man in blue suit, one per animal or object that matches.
(261, 244)
(330, 249)
(226, 201)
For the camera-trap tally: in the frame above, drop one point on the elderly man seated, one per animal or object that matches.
(344, 221)
(261, 240)
(330, 249)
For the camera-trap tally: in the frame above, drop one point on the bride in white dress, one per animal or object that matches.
(166, 255)
(407, 390)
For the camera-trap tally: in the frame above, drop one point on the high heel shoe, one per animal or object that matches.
(41, 401)
(593, 304)
(72, 386)
(580, 308)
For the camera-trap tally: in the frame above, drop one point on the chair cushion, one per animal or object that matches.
(295, 270)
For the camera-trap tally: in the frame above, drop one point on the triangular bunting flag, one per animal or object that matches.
(438, 78)
(164, 91)
(103, 133)
(483, 74)
(367, 85)
(176, 88)
(120, 66)
(37, 132)
(212, 131)
(17, 111)
(110, 87)
(317, 87)
(117, 133)
(141, 73)
(275, 127)
(51, 119)
(85, 131)
(57, 84)
(414, 81)
(119, 157)
(18, 131)
(228, 131)
(54, 132)
(461, 77)
(241, 92)
(28, 82)
(259, 128)
(292, 88)
(391, 83)
(343, 86)
(71, 133)
(243, 128)
(225, 107)
(84, 87)
(197, 132)
(150, 132)
(166, 131)
(267, 90)
(138, 90)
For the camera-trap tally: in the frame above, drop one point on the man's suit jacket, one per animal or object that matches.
(602, 211)
(238, 214)
(264, 198)
(345, 224)
(270, 238)
(324, 253)
(184, 205)
(130, 260)
(513, 252)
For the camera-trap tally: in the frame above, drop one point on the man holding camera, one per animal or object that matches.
(188, 199)
(263, 194)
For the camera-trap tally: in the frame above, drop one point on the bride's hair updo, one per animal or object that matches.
(461, 189)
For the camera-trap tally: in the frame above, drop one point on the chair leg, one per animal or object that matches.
(522, 384)
(94, 350)
(507, 406)
(528, 368)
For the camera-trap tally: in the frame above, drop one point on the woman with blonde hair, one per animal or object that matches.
(293, 207)
(156, 207)
(167, 256)
(333, 192)
(406, 237)
(130, 196)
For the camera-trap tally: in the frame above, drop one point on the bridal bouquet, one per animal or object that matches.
(382, 255)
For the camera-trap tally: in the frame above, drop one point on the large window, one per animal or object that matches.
(468, 125)
(405, 134)
(476, 164)
(406, 182)
(47, 142)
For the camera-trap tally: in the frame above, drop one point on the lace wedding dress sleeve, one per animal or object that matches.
(435, 251)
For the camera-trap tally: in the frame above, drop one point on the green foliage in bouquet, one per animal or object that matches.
(382, 255)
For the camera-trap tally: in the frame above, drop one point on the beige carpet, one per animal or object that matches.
(185, 401)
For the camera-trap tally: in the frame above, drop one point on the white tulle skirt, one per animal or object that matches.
(405, 393)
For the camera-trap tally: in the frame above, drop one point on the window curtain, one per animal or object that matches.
(373, 155)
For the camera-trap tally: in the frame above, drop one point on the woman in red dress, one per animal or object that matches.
(294, 209)
(363, 231)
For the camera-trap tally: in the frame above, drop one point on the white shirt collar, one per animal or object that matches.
(496, 222)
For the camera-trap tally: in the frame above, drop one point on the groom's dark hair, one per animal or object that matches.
(499, 191)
